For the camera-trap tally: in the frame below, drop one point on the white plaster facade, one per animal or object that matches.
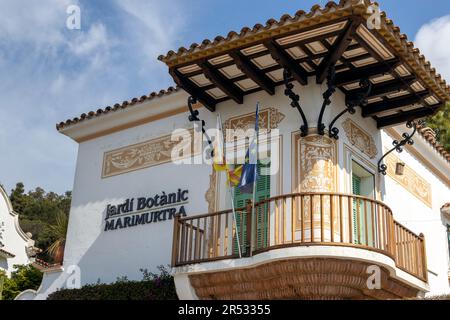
(108, 255)
(15, 244)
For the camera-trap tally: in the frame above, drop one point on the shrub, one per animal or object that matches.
(22, 278)
(152, 287)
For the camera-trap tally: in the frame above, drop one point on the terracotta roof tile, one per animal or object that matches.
(42, 265)
(117, 106)
(430, 136)
(398, 39)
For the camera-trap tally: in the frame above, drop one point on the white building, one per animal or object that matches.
(324, 219)
(16, 247)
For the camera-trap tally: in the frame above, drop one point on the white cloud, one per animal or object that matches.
(48, 74)
(155, 23)
(33, 21)
(95, 39)
(433, 41)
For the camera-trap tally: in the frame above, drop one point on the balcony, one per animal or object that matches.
(306, 245)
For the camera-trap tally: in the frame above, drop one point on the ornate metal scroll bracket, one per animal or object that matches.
(359, 100)
(398, 145)
(295, 101)
(193, 117)
(326, 98)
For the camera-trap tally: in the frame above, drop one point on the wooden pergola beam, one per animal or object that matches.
(207, 101)
(407, 116)
(253, 72)
(393, 104)
(351, 76)
(381, 89)
(222, 82)
(285, 60)
(337, 50)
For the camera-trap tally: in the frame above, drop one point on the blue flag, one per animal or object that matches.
(249, 172)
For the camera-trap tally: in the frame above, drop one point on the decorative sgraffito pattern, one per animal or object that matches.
(139, 156)
(410, 180)
(210, 195)
(317, 156)
(360, 139)
(268, 119)
(316, 173)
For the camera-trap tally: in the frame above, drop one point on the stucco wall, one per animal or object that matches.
(14, 239)
(421, 218)
(108, 255)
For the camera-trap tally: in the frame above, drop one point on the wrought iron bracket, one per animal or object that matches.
(326, 98)
(360, 100)
(398, 145)
(194, 117)
(295, 101)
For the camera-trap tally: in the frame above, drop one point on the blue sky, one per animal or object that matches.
(49, 73)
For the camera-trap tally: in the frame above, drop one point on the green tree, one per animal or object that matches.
(441, 124)
(58, 232)
(41, 214)
(18, 197)
(22, 278)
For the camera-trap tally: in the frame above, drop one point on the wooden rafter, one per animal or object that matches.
(312, 39)
(222, 82)
(381, 89)
(285, 60)
(193, 90)
(253, 72)
(407, 116)
(337, 50)
(393, 104)
(351, 76)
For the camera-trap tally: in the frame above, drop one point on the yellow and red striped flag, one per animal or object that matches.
(234, 176)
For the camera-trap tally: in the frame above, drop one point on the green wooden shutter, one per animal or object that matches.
(240, 200)
(262, 214)
(356, 189)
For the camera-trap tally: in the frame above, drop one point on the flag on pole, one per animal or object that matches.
(249, 172)
(233, 173)
(234, 176)
(219, 161)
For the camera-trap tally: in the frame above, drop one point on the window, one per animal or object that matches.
(363, 184)
(240, 200)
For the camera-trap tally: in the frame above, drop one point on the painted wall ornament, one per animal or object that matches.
(317, 164)
(269, 119)
(410, 180)
(210, 195)
(360, 139)
(316, 160)
(139, 156)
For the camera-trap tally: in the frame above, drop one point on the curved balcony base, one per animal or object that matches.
(306, 279)
(308, 273)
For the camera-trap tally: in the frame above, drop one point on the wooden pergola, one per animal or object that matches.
(404, 87)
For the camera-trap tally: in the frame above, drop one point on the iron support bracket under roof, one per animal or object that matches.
(358, 100)
(327, 98)
(295, 100)
(398, 145)
(193, 117)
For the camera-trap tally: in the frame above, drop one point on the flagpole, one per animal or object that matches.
(219, 120)
(235, 221)
(253, 232)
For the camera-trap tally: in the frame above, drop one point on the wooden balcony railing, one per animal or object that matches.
(303, 219)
